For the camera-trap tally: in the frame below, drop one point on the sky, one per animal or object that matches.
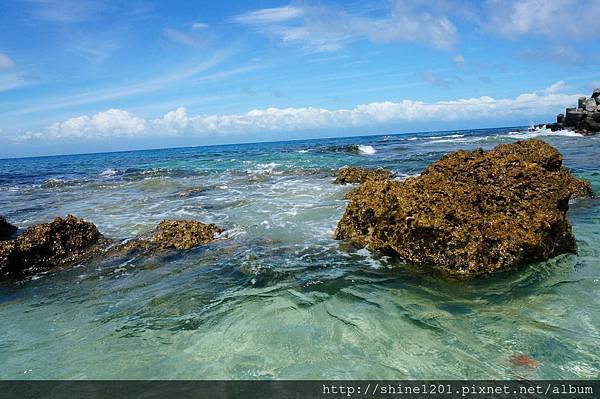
(81, 76)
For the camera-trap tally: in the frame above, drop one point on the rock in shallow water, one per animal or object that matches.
(470, 213)
(6, 229)
(353, 174)
(171, 234)
(48, 245)
(184, 234)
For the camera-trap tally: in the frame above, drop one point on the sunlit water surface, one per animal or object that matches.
(280, 298)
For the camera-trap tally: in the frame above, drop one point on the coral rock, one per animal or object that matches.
(45, 246)
(470, 213)
(359, 175)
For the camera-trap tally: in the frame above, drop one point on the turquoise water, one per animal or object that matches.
(279, 298)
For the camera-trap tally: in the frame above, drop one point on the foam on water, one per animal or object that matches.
(366, 150)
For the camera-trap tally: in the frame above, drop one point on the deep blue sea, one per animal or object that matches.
(280, 298)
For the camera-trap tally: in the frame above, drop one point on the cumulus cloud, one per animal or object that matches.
(120, 123)
(322, 28)
(111, 123)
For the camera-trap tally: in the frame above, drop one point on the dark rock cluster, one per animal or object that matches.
(353, 174)
(584, 119)
(46, 246)
(471, 212)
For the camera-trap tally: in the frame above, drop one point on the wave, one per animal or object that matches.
(108, 173)
(543, 131)
(366, 150)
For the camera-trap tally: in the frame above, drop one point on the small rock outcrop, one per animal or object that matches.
(7, 230)
(471, 212)
(584, 119)
(45, 246)
(184, 234)
(173, 234)
(353, 174)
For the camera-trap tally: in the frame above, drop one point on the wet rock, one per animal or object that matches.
(359, 175)
(471, 212)
(7, 230)
(596, 93)
(172, 234)
(184, 234)
(46, 246)
(581, 102)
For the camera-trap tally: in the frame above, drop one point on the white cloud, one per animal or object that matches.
(199, 26)
(555, 88)
(111, 123)
(6, 62)
(269, 15)
(321, 28)
(119, 123)
(557, 18)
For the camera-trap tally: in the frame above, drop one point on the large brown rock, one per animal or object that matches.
(471, 212)
(6, 229)
(45, 246)
(353, 174)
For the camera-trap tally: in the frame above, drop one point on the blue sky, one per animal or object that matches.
(88, 76)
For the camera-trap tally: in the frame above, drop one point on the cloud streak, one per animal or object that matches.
(319, 28)
(116, 123)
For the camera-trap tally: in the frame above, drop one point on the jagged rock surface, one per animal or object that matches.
(6, 229)
(471, 212)
(45, 246)
(184, 234)
(353, 174)
(173, 234)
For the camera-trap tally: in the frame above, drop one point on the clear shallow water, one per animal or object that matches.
(280, 298)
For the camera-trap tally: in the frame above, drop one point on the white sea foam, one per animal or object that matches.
(266, 169)
(543, 131)
(366, 150)
(108, 172)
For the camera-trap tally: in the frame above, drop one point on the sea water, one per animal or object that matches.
(279, 298)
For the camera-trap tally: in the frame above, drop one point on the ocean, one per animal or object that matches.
(279, 298)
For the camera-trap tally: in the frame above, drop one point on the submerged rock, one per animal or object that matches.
(45, 246)
(353, 174)
(471, 212)
(6, 229)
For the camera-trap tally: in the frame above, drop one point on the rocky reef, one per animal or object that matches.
(48, 245)
(471, 212)
(584, 119)
(353, 174)
(6, 229)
